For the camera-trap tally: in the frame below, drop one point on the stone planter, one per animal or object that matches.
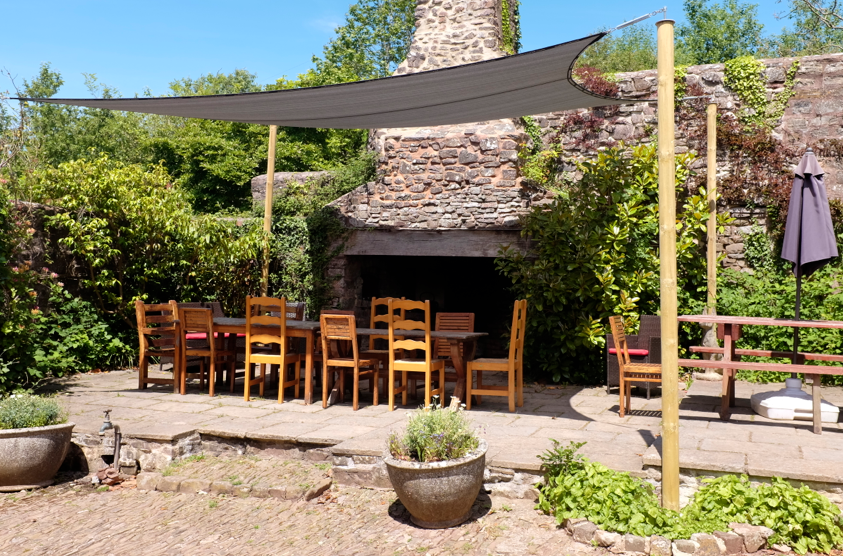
(30, 458)
(440, 494)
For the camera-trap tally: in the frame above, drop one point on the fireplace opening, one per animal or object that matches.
(451, 284)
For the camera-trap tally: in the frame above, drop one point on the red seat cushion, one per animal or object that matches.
(635, 352)
(199, 335)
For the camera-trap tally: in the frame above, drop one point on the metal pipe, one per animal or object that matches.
(118, 439)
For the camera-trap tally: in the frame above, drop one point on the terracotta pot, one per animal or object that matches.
(440, 494)
(30, 458)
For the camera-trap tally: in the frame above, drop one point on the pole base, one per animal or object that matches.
(792, 403)
(710, 376)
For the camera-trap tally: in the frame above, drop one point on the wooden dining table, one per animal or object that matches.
(462, 345)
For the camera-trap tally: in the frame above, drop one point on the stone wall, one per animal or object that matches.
(813, 117)
(814, 114)
(282, 180)
(454, 32)
(731, 241)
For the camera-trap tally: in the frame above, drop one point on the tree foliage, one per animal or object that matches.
(373, 41)
(716, 32)
(816, 30)
(633, 49)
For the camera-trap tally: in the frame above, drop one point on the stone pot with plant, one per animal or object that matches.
(436, 466)
(34, 439)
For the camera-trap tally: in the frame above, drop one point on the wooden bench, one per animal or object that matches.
(729, 331)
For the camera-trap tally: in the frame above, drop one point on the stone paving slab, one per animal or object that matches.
(746, 444)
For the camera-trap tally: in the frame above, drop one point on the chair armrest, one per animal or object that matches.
(655, 350)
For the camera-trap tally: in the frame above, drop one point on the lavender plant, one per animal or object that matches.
(434, 433)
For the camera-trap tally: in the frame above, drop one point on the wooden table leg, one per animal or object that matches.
(308, 367)
(459, 365)
(816, 380)
(728, 380)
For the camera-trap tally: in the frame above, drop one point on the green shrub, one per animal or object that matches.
(434, 433)
(24, 411)
(67, 337)
(595, 254)
(575, 487)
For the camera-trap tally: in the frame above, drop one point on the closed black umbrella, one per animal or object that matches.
(809, 239)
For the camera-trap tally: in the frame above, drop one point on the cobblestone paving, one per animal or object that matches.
(250, 470)
(71, 519)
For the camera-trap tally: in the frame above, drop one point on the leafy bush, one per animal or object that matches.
(595, 254)
(24, 411)
(136, 237)
(575, 487)
(800, 517)
(434, 433)
(68, 336)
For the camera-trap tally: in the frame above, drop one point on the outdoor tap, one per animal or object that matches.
(106, 424)
(118, 437)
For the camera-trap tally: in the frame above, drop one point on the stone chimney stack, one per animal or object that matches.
(454, 176)
(454, 32)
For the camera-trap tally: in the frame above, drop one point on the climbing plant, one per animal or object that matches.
(511, 26)
(744, 75)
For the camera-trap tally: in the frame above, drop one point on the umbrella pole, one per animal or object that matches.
(667, 269)
(267, 207)
(795, 359)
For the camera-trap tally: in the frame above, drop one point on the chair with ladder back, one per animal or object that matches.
(513, 365)
(263, 329)
(630, 372)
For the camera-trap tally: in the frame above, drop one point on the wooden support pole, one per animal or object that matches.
(667, 275)
(711, 191)
(267, 207)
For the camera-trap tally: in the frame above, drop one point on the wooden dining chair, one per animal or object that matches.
(158, 337)
(379, 319)
(264, 329)
(450, 322)
(398, 361)
(513, 365)
(337, 328)
(630, 372)
(199, 323)
(295, 310)
(224, 343)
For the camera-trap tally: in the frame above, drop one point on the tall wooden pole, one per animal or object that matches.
(667, 276)
(711, 190)
(267, 207)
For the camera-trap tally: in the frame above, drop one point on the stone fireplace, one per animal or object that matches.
(446, 197)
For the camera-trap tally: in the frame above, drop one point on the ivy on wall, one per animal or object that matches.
(744, 75)
(680, 87)
(511, 26)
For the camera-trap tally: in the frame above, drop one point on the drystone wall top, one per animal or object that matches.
(282, 179)
(813, 116)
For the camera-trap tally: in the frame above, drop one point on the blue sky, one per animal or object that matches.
(132, 46)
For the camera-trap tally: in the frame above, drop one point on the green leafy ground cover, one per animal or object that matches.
(614, 501)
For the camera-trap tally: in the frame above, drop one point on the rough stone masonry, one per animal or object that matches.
(446, 177)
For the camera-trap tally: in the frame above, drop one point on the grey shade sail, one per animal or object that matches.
(809, 239)
(534, 82)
